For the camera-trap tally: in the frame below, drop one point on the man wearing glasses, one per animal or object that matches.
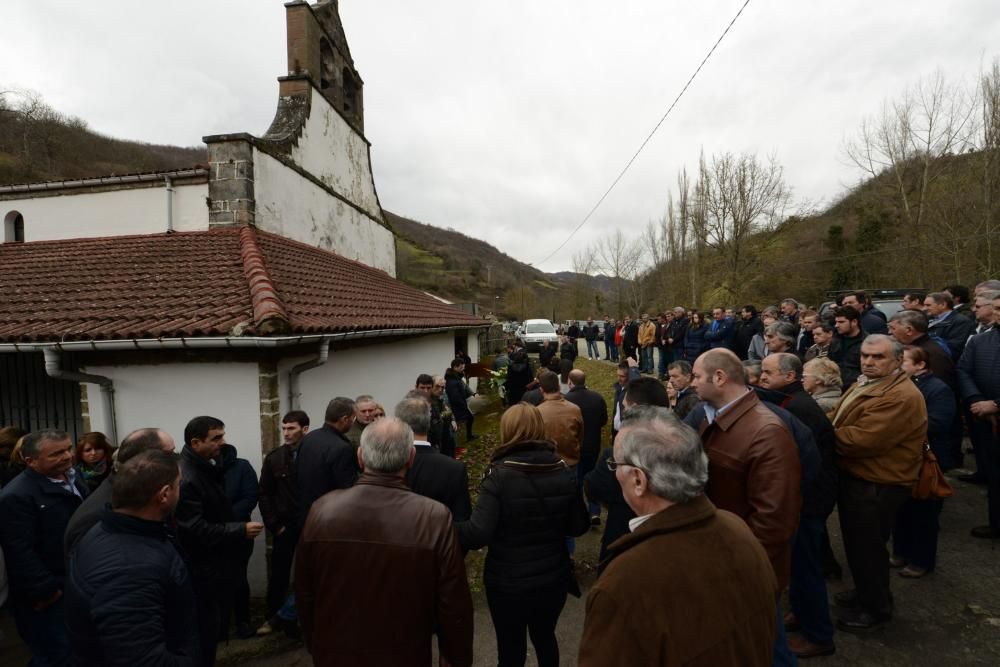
(662, 471)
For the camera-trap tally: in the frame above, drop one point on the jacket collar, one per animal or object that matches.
(553, 397)
(382, 479)
(46, 485)
(882, 388)
(670, 520)
(116, 522)
(205, 465)
(517, 447)
(737, 409)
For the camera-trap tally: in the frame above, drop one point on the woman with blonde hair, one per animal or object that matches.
(821, 378)
(528, 504)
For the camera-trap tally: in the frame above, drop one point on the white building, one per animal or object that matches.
(241, 288)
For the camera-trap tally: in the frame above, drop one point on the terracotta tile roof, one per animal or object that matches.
(233, 281)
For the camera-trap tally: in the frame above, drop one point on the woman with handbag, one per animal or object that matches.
(528, 504)
(915, 535)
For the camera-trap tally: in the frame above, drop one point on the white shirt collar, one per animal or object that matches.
(633, 524)
(711, 414)
(421, 443)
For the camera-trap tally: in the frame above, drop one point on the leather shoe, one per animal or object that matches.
(859, 621)
(846, 599)
(973, 478)
(985, 532)
(803, 648)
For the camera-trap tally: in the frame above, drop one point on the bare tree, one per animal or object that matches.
(622, 258)
(989, 123)
(740, 200)
(584, 263)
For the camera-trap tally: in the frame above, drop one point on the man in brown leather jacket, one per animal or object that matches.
(881, 426)
(379, 570)
(753, 462)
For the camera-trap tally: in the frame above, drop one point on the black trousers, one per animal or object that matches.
(210, 592)
(867, 513)
(241, 590)
(282, 556)
(988, 454)
(535, 613)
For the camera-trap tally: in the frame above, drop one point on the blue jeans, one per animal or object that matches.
(807, 589)
(592, 350)
(44, 632)
(612, 351)
(288, 612)
(664, 359)
(646, 359)
(783, 656)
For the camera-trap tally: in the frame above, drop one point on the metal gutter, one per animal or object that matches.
(293, 375)
(54, 369)
(102, 180)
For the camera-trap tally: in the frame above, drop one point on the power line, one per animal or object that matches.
(647, 139)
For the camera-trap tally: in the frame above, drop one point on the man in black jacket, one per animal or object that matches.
(433, 474)
(678, 328)
(750, 327)
(683, 397)
(979, 385)
(595, 416)
(873, 320)
(90, 512)
(782, 373)
(34, 511)
(212, 539)
(279, 507)
(630, 339)
(326, 458)
(845, 349)
(129, 596)
(953, 329)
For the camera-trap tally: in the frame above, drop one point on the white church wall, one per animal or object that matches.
(79, 214)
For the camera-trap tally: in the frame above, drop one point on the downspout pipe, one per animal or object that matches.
(54, 369)
(323, 353)
(170, 204)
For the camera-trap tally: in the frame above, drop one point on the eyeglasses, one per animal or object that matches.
(613, 465)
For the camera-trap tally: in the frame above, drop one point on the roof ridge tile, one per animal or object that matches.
(269, 314)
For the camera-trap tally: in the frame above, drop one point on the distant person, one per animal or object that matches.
(751, 371)
(960, 297)
(873, 320)
(394, 555)
(647, 343)
(365, 407)
(213, 539)
(953, 330)
(758, 348)
(678, 327)
(610, 342)
(682, 397)
(519, 374)
(129, 595)
(528, 503)
(845, 349)
(568, 350)
(821, 378)
(459, 393)
(914, 301)
(432, 474)
(546, 353)
(242, 491)
(279, 508)
(594, 411)
(590, 333)
(93, 458)
(694, 338)
(630, 338)
(750, 326)
(662, 471)
(779, 337)
(563, 420)
(822, 336)
(720, 331)
(9, 436)
(90, 511)
(35, 509)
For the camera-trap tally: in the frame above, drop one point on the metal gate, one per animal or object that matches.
(31, 400)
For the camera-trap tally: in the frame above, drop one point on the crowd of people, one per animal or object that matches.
(726, 460)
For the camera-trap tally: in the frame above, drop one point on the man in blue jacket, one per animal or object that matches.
(35, 509)
(721, 332)
(129, 596)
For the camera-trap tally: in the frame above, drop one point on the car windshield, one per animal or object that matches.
(540, 327)
(889, 308)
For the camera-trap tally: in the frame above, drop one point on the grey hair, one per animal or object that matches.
(31, 445)
(914, 319)
(668, 450)
(791, 301)
(416, 413)
(789, 363)
(386, 445)
(826, 370)
(364, 398)
(992, 285)
(750, 366)
(783, 330)
(679, 309)
(989, 295)
(894, 345)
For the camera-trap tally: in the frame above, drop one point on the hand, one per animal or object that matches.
(254, 529)
(632, 363)
(984, 408)
(454, 425)
(45, 604)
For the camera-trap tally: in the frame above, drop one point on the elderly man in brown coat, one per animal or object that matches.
(753, 462)
(881, 426)
(379, 570)
(651, 605)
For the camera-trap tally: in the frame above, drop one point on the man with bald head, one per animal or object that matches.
(595, 415)
(754, 469)
(89, 513)
(880, 425)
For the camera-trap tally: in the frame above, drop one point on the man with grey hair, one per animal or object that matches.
(433, 474)
(987, 286)
(326, 458)
(35, 509)
(394, 555)
(880, 426)
(89, 513)
(662, 470)
(365, 407)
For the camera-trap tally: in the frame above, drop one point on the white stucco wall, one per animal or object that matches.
(167, 396)
(296, 208)
(386, 372)
(116, 213)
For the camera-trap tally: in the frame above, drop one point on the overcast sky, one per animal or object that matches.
(508, 120)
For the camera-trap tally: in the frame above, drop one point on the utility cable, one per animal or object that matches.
(648, 138)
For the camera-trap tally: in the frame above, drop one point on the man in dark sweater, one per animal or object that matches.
(326, 458)
(595, 416)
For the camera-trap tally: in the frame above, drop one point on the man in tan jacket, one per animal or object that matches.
(647, 340)
(881, 426)
(563, 420)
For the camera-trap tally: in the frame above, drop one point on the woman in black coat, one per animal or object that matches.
(915, 535)
(694, 338)
(528, 503)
